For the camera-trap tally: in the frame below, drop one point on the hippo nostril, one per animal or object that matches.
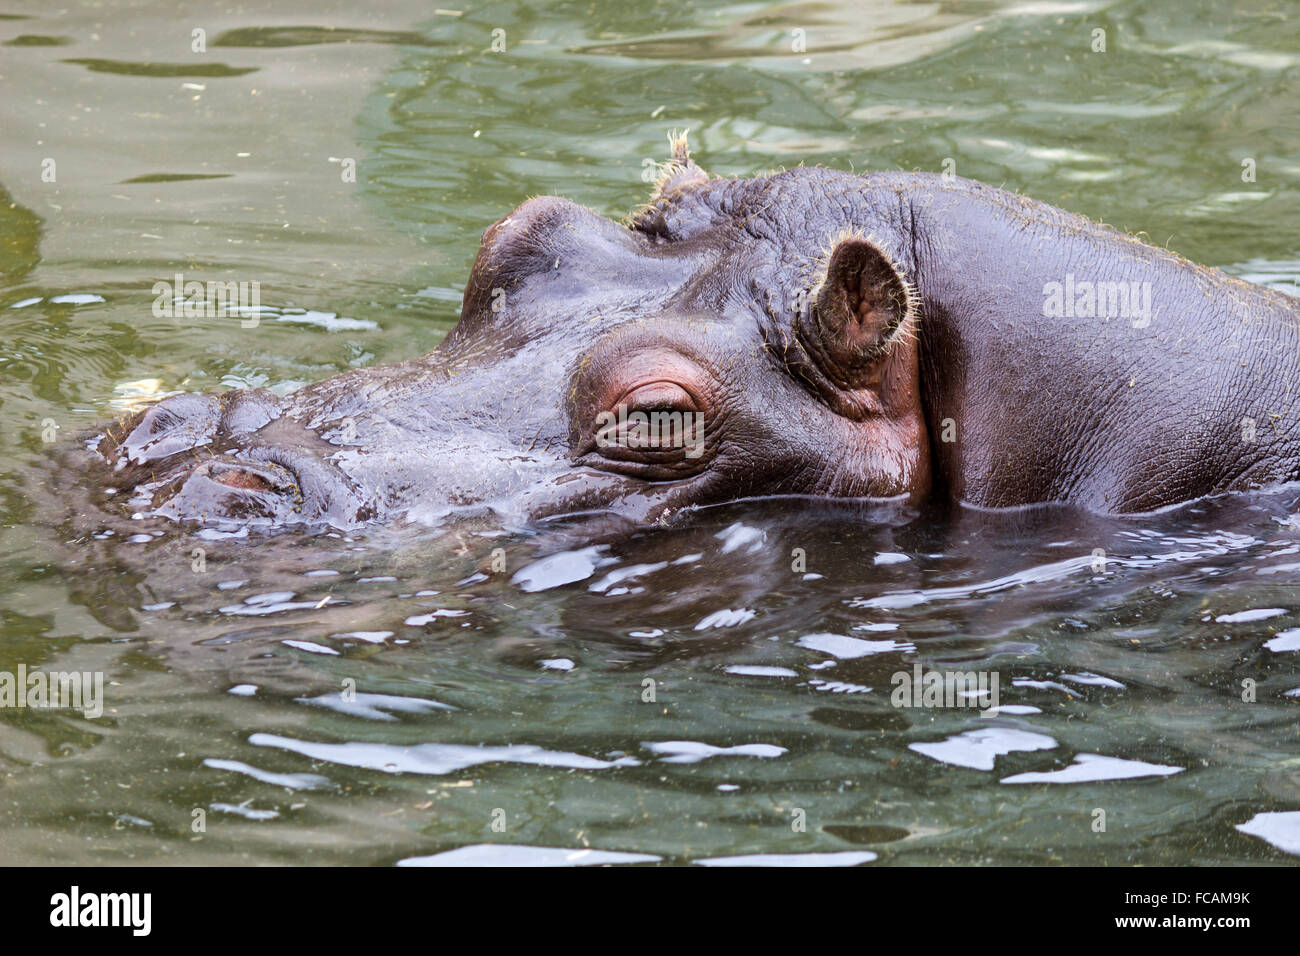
(230, 489)
(184, 423)
(263, 477)
(244, 480)
(177, 424)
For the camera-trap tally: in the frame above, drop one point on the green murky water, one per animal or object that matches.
(677, 695)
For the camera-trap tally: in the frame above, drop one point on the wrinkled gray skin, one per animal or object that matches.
(842, 336)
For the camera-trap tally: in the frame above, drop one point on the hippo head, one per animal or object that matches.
(735, 338)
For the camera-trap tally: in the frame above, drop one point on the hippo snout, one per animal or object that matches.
(227, 457)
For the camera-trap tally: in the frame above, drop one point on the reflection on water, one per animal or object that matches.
(1146, 667)
(719, 691)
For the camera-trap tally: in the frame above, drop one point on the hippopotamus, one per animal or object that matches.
(808, 333)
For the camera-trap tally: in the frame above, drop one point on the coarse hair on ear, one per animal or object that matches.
(860, 308)
(680, 171)
(675, 177)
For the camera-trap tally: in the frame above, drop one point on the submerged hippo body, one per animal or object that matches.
(805, 333)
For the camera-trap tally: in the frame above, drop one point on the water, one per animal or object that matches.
(714, 688)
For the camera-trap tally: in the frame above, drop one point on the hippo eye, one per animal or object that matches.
(659, 397)
(654, 425)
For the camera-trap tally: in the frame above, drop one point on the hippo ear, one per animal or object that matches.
(680, 171)
(855, 314)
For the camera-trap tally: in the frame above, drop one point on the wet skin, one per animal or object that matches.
(815, 333)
